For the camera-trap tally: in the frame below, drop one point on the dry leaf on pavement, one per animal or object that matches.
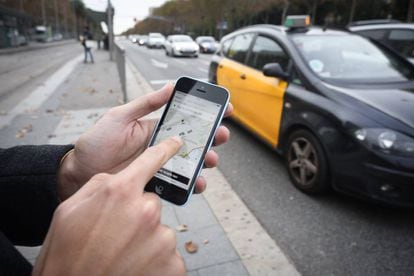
(206, 241)
(21, 133)
(182, 228)
(191, 247)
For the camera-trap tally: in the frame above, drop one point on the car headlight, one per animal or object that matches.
(386, 141)
(177, 47)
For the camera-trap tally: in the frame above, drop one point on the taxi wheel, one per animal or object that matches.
(306, 163)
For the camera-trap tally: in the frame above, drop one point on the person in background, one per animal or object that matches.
(86, 41)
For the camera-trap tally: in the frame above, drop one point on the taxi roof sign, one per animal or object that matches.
(297, 21)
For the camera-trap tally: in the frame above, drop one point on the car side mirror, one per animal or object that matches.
(275, 70)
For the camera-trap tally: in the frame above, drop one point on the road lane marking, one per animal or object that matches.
(159, 64)
(36, 98)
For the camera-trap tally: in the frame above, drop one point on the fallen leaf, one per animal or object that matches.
(182, 228)
(49, 110)
(21, 133)
(191, 247)
(92, 115)
(51, 136)
(111, 91)
(206, 241)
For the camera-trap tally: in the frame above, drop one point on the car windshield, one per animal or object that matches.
(181, 39)
(206, 39)
(351, 58)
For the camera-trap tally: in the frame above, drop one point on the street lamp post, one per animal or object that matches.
(110, 29)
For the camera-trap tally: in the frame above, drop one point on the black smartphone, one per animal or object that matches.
(194, 113)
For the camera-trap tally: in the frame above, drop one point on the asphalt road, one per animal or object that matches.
(21, 72)
(329, 235)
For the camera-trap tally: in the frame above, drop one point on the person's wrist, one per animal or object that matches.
(68, 177)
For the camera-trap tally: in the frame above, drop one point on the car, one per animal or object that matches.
(397, 35)
(336, 105)
(134, 38)
(155, 40)
(142, 40)
(207, 44)
(181, 45)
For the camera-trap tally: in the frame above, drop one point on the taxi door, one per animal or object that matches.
(231, 68)
(260, 98)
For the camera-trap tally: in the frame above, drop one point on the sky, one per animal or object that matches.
(125, 10)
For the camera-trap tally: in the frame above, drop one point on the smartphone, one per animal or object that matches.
(194, 113)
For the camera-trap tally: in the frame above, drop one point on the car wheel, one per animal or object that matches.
(306, 163)
(166, 52)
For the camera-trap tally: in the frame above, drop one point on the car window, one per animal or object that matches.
(402, 41)
(266, 50)
(225, 46)
(240, 46)
(374, 34)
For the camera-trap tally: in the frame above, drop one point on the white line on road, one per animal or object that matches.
(159, 64)
(42, 93)
(204, 70)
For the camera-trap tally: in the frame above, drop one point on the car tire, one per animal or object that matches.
(166, 52)
(306, 163)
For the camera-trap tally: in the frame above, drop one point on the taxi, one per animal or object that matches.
(339, 107)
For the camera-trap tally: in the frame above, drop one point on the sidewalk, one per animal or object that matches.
(230, 240)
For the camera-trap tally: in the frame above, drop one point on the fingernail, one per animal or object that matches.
(177, 139)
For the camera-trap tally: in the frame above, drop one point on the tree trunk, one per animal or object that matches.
(314, 8)
(352, 13)
(285, 9)
(410, 11)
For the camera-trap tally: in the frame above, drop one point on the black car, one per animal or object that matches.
(396, 35)
(338, 106)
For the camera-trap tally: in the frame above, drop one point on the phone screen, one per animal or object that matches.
(192, 118)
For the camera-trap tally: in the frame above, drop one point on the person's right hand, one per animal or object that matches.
(111, 227)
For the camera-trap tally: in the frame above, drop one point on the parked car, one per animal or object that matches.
(155, 40)
(336, 105)
(207, 44)
(397, 35)
(181, 45)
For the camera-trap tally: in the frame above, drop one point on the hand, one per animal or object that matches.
(111, 227)
(117, 139)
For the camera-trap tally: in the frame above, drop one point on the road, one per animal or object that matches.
(22, 71)
(329, 235)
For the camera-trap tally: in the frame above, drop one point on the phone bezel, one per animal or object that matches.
(203, 90)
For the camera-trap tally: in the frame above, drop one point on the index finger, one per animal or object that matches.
(142, 169)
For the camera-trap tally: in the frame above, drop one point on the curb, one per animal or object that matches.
(258, 252)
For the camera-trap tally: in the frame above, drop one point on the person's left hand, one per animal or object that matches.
(117, 139)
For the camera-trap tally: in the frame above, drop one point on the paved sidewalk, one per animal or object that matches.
(230, 240)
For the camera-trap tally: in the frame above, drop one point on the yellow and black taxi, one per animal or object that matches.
(338, 106)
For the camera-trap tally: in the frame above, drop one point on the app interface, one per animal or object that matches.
(192, 119)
